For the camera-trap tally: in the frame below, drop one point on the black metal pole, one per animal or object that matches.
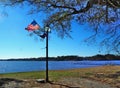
(47, 79)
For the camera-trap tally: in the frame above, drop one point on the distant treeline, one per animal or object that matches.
(69, 58)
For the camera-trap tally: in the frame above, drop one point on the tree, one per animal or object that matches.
(102, 15)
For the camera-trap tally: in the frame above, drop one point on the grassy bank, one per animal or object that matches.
(106, 74)
(54, 75)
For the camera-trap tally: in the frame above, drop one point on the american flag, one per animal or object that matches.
(33, 26)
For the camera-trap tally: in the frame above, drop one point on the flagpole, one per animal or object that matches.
(47, 78)
(33, 27)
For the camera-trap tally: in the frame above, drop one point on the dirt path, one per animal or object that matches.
(62, 83)
(85, 83)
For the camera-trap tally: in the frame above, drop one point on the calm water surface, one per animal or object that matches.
(25, 66)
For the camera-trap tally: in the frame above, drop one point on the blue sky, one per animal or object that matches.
(15, 42)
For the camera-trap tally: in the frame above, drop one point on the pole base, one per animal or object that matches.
(41, 80)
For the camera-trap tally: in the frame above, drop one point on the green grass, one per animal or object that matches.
(24, 75)
(55, 75)
(106, 74)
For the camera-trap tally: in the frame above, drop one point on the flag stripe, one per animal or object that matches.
(33, 26)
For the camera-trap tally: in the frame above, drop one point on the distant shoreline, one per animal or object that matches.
(69, 58)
